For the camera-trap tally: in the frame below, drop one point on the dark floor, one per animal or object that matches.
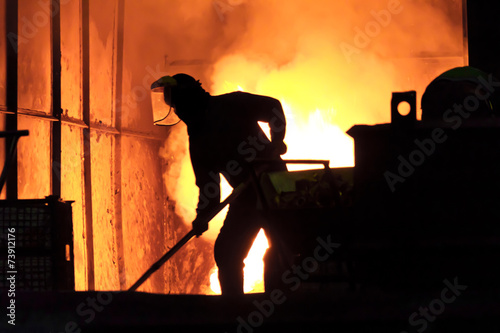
(330, 310)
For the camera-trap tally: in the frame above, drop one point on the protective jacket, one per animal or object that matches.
(226, 138)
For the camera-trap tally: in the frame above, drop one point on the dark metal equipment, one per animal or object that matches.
(37, 244)
(301, 210)
(426, 201)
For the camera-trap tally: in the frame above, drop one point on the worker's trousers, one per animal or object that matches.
(241, 226)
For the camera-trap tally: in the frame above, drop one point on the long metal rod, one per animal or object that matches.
(10, 153)
(162, 260)
(236, 192)
(258, 161)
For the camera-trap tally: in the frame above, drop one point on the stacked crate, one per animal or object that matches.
(39, 235)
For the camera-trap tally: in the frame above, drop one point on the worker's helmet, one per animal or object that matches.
(171, 91)
(454, 87)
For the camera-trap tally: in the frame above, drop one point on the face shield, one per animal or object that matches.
(161, 102)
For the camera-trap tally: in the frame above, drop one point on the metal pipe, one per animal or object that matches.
(11, 22)
(56, 98)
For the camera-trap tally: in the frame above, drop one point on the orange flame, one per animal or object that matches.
(298, 56)
(304, 142)
(254, 268)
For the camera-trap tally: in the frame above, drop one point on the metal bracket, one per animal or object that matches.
(408, 120)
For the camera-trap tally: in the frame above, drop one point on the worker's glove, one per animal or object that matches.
(279, 147)
(199, 226)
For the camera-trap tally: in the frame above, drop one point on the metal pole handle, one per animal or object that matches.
(236, 192)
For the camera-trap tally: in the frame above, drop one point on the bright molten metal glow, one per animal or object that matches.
(305, 140)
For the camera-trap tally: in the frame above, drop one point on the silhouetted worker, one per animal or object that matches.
(224, 138)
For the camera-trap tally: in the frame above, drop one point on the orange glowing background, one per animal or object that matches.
(332, 65)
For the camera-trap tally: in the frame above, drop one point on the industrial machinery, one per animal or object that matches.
(421, 205)
(426, 201)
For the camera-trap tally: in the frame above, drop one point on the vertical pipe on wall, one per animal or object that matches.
(87, 161)
(118, 158)
(11, 22)
(56, 97)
